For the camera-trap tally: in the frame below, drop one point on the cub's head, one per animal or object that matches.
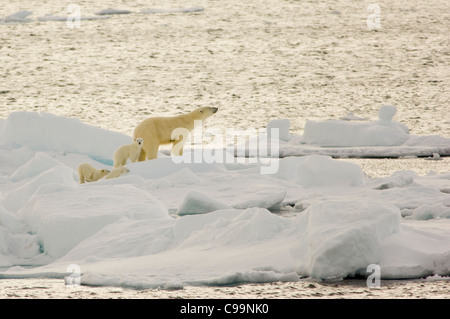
(139, 141)
(104, 172)
(204, 112)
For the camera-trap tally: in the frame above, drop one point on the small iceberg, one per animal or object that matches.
(351, 137)
(179, 10)
(20, 16)
(51, 17)
(113, 11)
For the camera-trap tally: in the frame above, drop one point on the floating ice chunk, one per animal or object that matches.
(437, 278)
(435, 157)
(20, 16)
(323, 171)
(348, 134)
(386, 113)
(431, 140)
(199, 203)
(317, 171)
(180, 10)
(113, 11)
(50, 17)
(252, 277)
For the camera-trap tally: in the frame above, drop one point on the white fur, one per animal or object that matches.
(116, 172)
(88, 173)
(158, 131)
(130, 151)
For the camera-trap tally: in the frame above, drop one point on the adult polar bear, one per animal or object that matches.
(158, 130)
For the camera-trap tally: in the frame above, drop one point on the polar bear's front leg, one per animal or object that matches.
(149, 151)
(152, 152)
(142, 156)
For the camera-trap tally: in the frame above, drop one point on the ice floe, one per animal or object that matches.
(169, 224)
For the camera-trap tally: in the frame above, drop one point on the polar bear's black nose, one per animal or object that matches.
(214, 109)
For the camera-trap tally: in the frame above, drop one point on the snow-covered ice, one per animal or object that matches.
(73, 137)
(385, 132)
(168, 224)
(356, 138)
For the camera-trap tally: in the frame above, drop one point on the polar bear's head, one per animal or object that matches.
(139, 141)
(204, 112)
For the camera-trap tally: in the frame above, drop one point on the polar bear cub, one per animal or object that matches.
(129, 151)
(88, 173)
